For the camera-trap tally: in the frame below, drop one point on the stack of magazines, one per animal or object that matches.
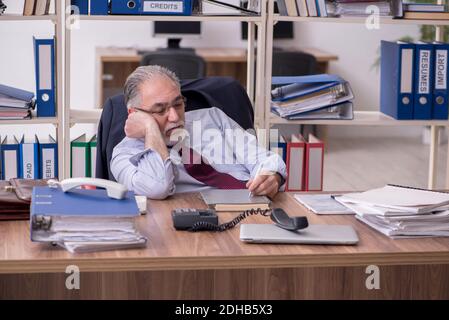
(15, 103)
(401, 212)
(320, 96)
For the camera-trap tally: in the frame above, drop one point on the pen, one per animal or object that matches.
(257, 172)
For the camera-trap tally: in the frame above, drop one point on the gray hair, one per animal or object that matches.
(142, 74)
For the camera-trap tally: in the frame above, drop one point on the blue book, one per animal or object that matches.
(293, 87)
(29, 158)
(44, 57)
(441, 82)
(48, 158)
(396, 79)
(54, 202)
(9, 158)
(424, 66)
(99, 7)
(16, 93)
(83, 6)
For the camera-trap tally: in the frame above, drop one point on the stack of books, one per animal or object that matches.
(15, 104)
(414, 80)
(84, 220)
(426, 11)
(320, 96)
(401, 212)
(36, 7)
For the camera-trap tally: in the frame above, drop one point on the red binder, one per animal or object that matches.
(296, 149)
(314, 164)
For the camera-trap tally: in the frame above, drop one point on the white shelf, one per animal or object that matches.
(17, 17)
(362, 20)
(85, 115)
(30, 121)
(204, 18)
(363, 118)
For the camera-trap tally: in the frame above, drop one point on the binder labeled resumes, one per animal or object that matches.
(440, 91)
(423, 81)
(152, 7)
(396, 77)
(44, 53)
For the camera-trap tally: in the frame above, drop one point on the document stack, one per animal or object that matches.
(15, 103)
(84, 220)
(348, 8)
(414, 80)
(320, 96)
(401, 212)
(426, 11)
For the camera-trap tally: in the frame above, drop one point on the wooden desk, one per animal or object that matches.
(114, 64)
(218, 266)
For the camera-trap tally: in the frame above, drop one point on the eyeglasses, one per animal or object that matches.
(162, 109)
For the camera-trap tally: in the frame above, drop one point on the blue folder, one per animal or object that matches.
(152, 7)
(48, 159)
(44, 53)
(424, 76)
(16, 93)
(396, 79)
(83, 5)
(7, 162)
(48, 201)
(29, 158)
(441, 82)
(99, 7)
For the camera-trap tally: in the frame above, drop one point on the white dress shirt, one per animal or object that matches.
(213, 135)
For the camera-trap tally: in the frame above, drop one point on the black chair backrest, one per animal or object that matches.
(224, 93)
(185, 63)
(293, 63)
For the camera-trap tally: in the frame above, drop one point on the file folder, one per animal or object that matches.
(99, 7)
(295, 163)
(396, 79)
(83, 5)
(45, 77)
(80, 157)
(280, 148)
(441, 82)
(314, 164)
(424, 66)
(152, 7)
(16, 93)
(29, 158)
(9, 156)
(48, 158)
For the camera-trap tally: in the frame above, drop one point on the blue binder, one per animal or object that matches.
(48, 158)
(16, 93)
(396, 79)
(29, 158)
(99, 7)
(441, 82)
(83, 5)
(9, 158)
(44, 54)
(424, 66)
(152, 7)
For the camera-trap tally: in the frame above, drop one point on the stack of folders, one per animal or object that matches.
(312, 97)
(414, 80)
(84, 220)
(83, 158)
(15, 104)
(426, 11)
(28, 158)
(304, 160)
(348, 8)
(401, 212)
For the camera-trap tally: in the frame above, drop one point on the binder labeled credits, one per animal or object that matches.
(152, 7)
(396, 92)
(44, 53)
(423, 81)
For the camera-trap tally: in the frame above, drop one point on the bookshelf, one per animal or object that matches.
(58, 122)
(255, 65)
(361, 118)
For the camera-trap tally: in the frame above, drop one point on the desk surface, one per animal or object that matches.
(168, 249)
(117, 54)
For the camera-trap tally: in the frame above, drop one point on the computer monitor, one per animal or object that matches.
(175, 31)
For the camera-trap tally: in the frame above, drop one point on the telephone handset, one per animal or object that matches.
(114, 189)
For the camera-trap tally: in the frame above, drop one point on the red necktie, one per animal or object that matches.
(206, 174)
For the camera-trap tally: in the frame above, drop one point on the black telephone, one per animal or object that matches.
(207, 219)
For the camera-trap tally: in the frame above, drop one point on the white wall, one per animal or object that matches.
(355, 46)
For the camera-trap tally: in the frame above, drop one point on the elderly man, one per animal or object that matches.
(151, 162)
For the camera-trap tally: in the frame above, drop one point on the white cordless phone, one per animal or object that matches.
(114, 189)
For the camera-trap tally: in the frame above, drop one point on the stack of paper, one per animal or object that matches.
(15, 103)
(401, 211)
(84, 220)
(344, 8)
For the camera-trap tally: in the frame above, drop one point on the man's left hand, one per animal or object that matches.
(265, 184)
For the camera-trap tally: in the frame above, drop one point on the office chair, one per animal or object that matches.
(293, 63)
(185, 63)
(224, 93)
